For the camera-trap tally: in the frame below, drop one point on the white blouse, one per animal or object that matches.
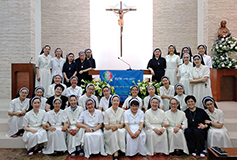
(91, 120)
(104, 103)
(55, 119)
(82, 101)
(133, 119)
(32, 120)
(17, 106)
(77, 91)
(57, 66)
(113, 118)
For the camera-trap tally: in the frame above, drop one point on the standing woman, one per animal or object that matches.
(34, 135)
(180, 96)
(196, 132)
(157, 65)
(69, 69)
(74, 89)
(166, 92)
(114, 133)
(16, 112)
(136, 137)
(199, 78)
(156, 123)
(84, 66)
(91, 59)
(43, 68)
(177, 124)
(57, 62)
(91, 120)
(202, 50)
(186, 50)
(217, 134)
(53, 122)
(172, 64)
(183, 73)
(57, 79)
(105, 100)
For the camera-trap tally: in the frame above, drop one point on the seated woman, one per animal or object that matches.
(53, 122)
(57, 79)
(91, 120)
(183, 72)
(151, 91)
(134, 90)
(39, 92)
(196, 133)
(34, 136)
(90, 88)
(104, 101)
(180, 96)
(177, 125)
(217, 134)
(155, 122)
(74, 89)
(74, 136)
(166, 92)
(58, 94)
(16, 112)
(114, 133)
(136, 137)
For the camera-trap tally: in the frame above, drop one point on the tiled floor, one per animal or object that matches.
(20, 154)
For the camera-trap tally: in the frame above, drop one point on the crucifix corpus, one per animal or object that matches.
(121, 11)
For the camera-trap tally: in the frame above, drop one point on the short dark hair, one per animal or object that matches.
(59, 85)
(190, 97)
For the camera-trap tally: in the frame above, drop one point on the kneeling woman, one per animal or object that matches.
(35, 135)
(91, 120)
(177, 125)
(53, 122)
(136, 137)
(156, 121)
(217, 134)
(196, 133)
(114, 133)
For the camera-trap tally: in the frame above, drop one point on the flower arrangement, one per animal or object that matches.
(222, 47)
(98, 86)
(225, 44)
(142, 85)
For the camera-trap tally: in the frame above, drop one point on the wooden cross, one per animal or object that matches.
(121, 12)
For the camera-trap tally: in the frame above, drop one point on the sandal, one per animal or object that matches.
(115, 158)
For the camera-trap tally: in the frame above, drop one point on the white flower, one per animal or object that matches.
(224, 47)
(222, 58)
(223, 65)
(235, 47)
(221, 45)
(230, 64)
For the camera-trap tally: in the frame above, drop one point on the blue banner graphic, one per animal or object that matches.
(121, 80)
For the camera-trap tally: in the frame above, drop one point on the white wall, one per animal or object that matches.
(137, 34)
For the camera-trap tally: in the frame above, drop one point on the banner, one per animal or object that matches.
(121, 80)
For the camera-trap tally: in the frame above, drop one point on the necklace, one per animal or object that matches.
(193, 116)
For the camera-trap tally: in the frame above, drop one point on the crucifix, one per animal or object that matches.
(121, 11)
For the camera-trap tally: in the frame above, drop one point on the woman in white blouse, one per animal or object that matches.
(156, 123)
(91, 120)
(199, 77)
(151, 91)
(177, 125)
(104, 101)
(202, 50)
(74, 89)
(57, 62)
(172, 64)
(53, 122)
(114, 133)
(136, 137)
(75, 134)
(43, 68)
(217, 134)
(16, 112)
(134, 90)
(57, 79)
(166, 92)
(90, 88)
(34, 135)
(183, 73)
(180, 96)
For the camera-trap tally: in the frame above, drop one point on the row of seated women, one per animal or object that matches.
(77, 128)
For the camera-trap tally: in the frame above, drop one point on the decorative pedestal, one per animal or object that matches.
(224, 84)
